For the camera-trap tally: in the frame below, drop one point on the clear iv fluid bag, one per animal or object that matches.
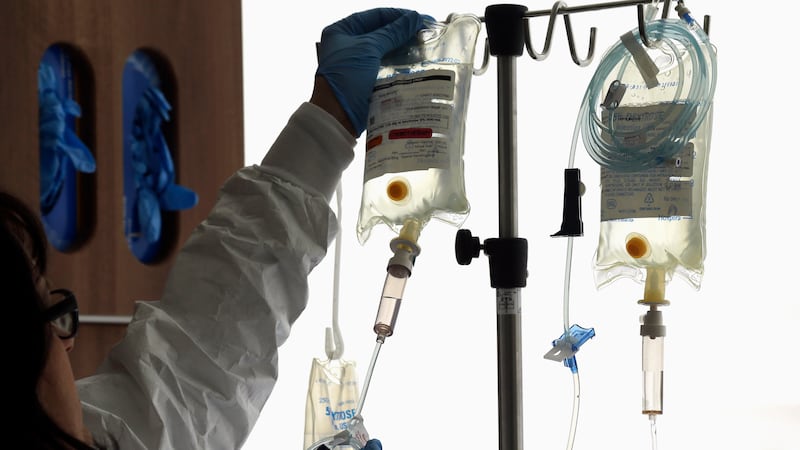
(652, 142)
(413, 167)
(664, 205)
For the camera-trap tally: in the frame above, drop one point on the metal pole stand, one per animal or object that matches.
(508, 254)
(507, 28)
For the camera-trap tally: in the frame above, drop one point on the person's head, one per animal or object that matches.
(41, 384)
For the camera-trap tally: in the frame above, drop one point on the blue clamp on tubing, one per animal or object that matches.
(149, 171)
(685, 14)
(565, 349)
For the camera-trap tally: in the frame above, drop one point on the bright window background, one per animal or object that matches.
(731, 347)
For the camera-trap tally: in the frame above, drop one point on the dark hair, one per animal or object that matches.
(23, 259)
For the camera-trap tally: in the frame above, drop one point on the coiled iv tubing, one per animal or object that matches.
(625, 151)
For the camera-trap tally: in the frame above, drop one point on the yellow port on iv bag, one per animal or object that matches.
(647, 119)
(413, 168)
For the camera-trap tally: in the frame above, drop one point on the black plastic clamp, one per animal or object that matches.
(571, 223)
(508, 258)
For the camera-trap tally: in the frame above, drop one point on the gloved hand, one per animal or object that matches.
(350, 52)
(373, 444)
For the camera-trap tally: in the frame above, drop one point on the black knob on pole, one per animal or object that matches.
(467, 247)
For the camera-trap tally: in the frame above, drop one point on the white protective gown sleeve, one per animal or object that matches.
(195, 368)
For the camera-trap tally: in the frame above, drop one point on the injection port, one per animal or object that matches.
(398, 190)
(637, 246)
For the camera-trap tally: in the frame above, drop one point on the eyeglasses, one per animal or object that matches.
(63, 314)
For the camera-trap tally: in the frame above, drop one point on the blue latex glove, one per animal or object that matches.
(153, 169)
(350, 53)
(373, 444)
(58, 143)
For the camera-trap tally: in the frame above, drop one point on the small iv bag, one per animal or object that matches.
(647, 119)
(413, 168)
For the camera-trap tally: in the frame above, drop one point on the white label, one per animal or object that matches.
(664, 191)
(409, 119)
(637, 125)
(508, 301)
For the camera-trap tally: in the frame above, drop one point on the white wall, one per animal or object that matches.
(731, 348)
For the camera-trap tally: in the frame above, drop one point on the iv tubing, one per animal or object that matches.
(576, 401)
(368, 377)
(653, 436)
(334, 343)
(567, 275)
(702, 86)
(576, 404)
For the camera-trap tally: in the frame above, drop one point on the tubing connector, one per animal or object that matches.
(654, 287)
(684, 13)
(652, 324)
(405, 250)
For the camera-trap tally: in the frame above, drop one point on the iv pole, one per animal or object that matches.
(508, 253)
(508, 34)
(506, 44)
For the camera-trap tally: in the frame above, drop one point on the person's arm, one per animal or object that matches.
(195, 369)
(324, 97)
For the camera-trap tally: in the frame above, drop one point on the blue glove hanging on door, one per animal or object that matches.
(154, 171)
(149, 186)
(60, 148)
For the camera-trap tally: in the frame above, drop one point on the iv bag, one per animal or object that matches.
(648, 120)
(413, 167)
(332, 399)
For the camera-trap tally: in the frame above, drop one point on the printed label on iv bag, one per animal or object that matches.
(636, 126)
(410, 115)
(664, 191)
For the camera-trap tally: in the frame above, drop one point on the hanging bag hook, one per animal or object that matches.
(640, 19)
(485, 63)
(558, 8)
(571, 40)
(642, 26)
(541, 56)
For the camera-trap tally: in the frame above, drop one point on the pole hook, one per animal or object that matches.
(485, 63)
(641, 21)
(571, 40)
(541, 56)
